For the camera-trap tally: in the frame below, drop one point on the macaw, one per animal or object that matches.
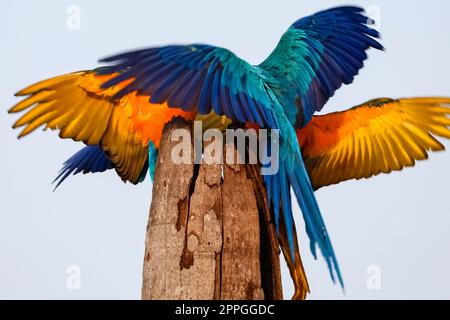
(119, 109)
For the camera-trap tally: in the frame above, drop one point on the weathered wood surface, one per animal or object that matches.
(209, 234)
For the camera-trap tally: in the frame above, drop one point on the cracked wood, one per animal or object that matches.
(208, 224)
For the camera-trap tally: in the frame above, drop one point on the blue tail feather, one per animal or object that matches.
(315, 225)
(278, 188)
(287, 208)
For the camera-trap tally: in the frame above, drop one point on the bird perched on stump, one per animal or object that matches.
(119, 109)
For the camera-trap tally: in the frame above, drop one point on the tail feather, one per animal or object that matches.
(278, 189)
(315, 226)
(295, 265)
(285, 190)
(279, 196)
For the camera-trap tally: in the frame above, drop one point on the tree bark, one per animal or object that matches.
(210, 233)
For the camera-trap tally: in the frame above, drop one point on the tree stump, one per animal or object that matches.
(209, 234)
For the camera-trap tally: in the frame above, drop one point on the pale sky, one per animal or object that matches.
(398, 223)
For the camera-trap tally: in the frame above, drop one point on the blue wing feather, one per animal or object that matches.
(90, 159)
(317, 55)
(215, 76)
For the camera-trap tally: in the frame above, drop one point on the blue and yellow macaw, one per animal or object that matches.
(118, 111)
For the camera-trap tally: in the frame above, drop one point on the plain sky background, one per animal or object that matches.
(399, 223)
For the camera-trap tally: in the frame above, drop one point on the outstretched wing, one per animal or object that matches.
(195, 77)
(317, 55)
(203, 78)
(376, 137)
(81, 110)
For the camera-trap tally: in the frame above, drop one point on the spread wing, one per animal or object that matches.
(376, 137)
(202, 78)
(75, 105)
(317, 55)
(195, 77)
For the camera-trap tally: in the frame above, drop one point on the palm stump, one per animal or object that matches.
(209, 234)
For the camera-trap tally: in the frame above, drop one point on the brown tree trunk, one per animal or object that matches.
(209, 234)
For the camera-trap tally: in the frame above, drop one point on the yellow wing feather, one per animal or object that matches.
(76, 105)
(379, 136)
